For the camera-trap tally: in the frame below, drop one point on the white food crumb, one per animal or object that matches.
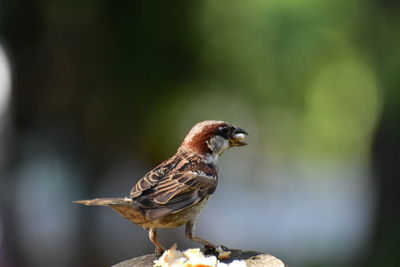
(222, 254)
(239, 136)
(192, 257)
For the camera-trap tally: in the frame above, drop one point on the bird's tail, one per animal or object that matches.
(105, 202)
(126, 207)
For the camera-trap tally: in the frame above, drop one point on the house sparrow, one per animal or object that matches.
(174, 192)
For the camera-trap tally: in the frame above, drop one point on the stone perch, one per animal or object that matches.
(252, 258)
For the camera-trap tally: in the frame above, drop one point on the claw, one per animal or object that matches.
(209, 249)
(158, 252)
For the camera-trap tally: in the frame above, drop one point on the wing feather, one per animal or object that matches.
(170, 188)
(154, 177)
(176, 194)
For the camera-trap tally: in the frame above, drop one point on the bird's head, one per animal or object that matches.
(213, 137)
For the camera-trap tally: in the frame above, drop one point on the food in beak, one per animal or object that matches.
(237, 139)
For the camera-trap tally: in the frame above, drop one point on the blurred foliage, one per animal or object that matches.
(302, 60)
(298, 66)
(310, 78)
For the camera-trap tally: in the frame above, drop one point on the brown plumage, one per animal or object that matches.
(174, 192)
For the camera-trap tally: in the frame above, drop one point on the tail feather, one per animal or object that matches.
(104, 201)
(124, 206)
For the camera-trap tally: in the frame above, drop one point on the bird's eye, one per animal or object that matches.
(223, 131)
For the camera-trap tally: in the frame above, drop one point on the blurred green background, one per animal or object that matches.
(93, 94)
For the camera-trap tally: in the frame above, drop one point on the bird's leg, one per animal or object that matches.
(153, 238)
(189, 232)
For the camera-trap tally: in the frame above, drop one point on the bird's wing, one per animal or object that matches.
(154, 176)
(175, 193)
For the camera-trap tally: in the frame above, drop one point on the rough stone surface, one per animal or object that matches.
(253, 259)
(264, 260)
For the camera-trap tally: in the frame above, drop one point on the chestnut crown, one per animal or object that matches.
(213, 137)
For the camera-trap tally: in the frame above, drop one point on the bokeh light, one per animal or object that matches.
(103, 91)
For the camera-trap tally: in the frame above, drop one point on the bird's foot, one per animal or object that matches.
(209, 249)
(159, 251)
(214, 250)
(223, 247)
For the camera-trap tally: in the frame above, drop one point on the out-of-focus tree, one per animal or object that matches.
(98, 84)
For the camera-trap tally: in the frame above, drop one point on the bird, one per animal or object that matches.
(174, 192)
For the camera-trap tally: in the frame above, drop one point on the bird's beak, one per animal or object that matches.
(237, 137)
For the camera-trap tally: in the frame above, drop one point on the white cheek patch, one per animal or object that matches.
(239, 137)
(218, 144)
